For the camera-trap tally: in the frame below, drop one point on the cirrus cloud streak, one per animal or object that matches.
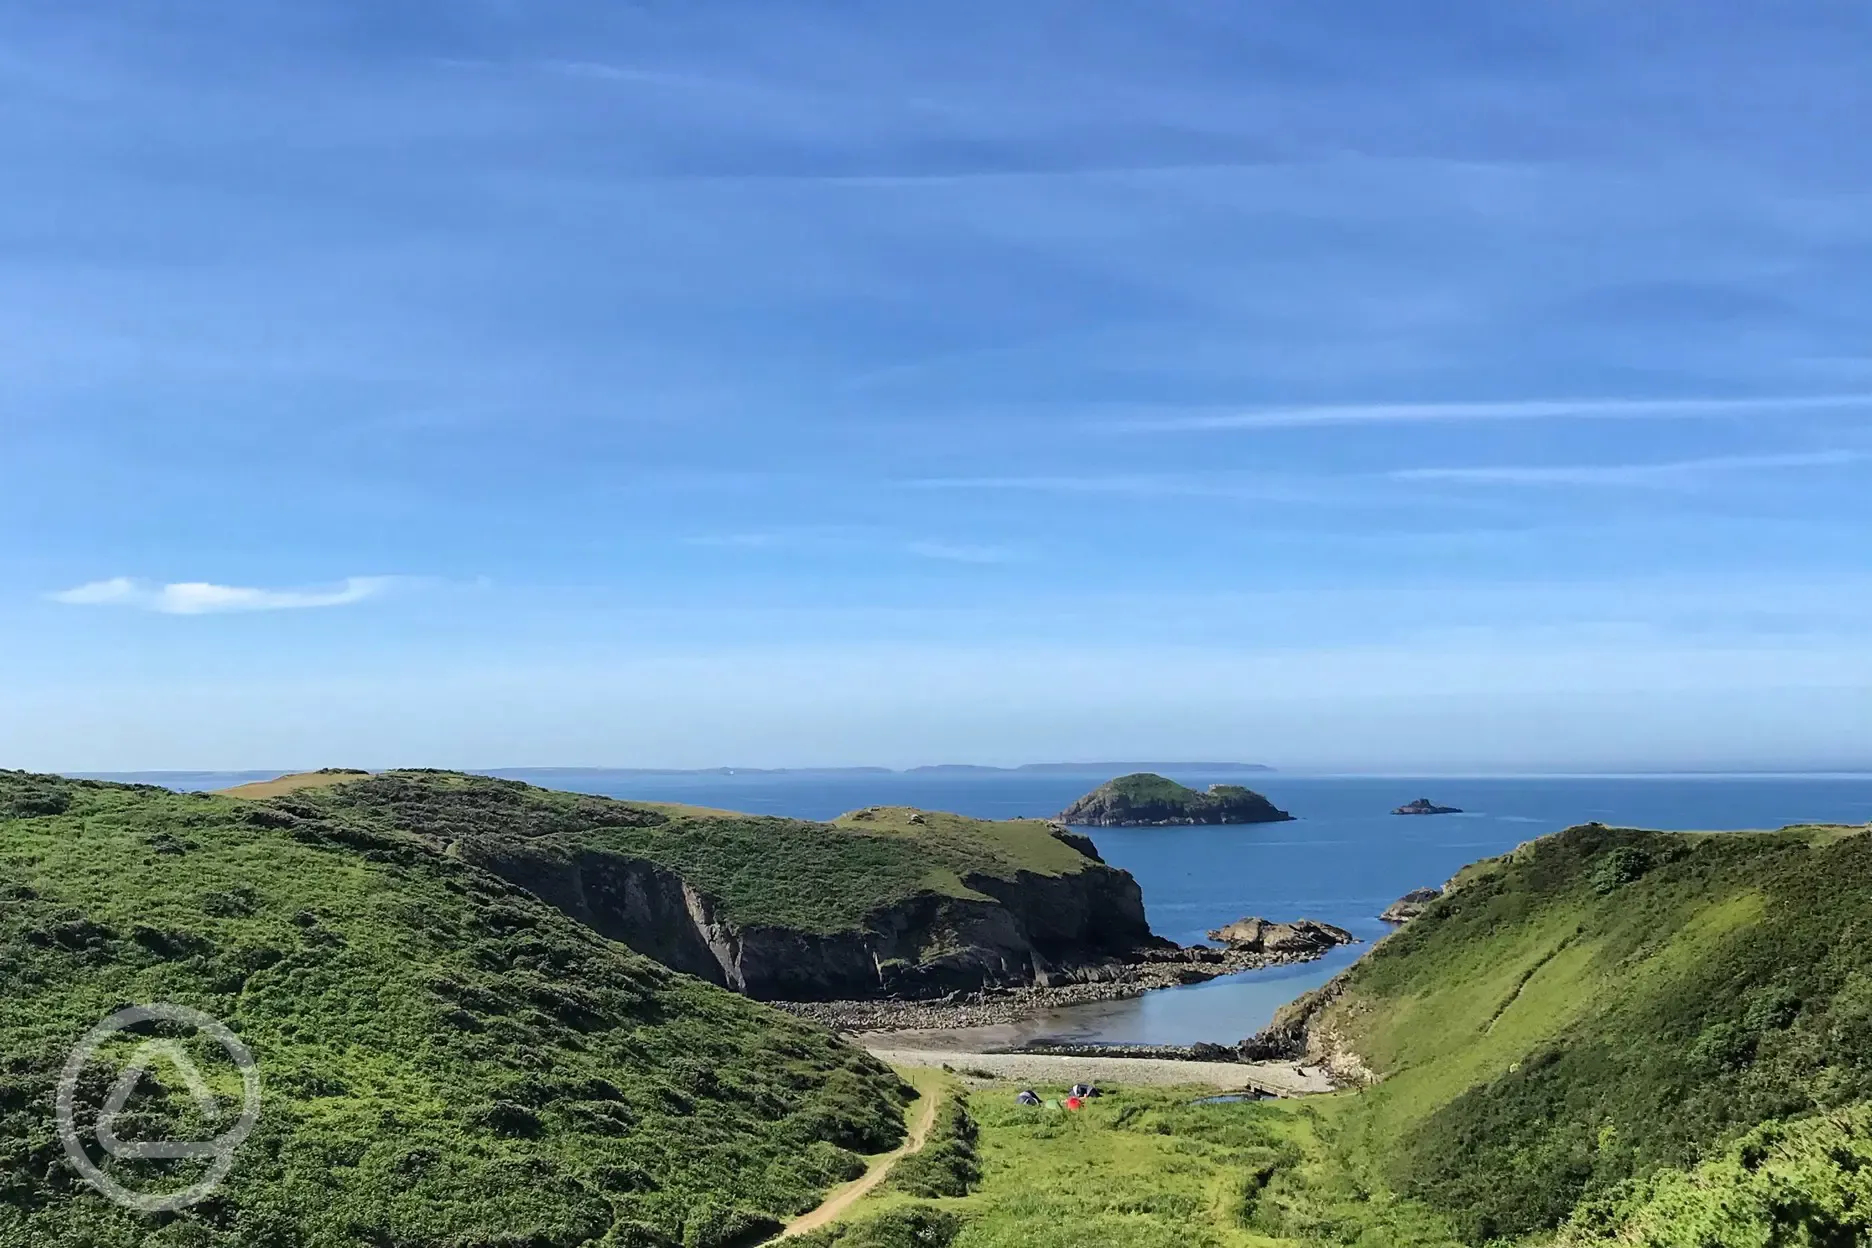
(204, 598)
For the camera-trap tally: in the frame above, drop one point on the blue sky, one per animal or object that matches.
(1449, 385)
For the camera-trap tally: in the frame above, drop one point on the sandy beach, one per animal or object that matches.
(1276, 1078)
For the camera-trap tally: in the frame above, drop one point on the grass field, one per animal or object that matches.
(1147, 1168)
(297, 782)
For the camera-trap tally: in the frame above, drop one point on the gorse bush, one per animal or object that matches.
(1807, 1182)
(908, 1226)
(1653, 996)
(446, 1061)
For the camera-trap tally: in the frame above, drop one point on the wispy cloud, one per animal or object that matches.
(1134, 485)
(955, 552)
(1146, 485)
(744, 541)
(203, 598)
(1695, 408)
(1675, 472)
(844, 542)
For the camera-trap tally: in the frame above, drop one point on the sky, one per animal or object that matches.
(1453, 385)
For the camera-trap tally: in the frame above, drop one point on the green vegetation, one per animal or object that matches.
(1603, 1005)
(909, 1226)
(1146, 1168)
(816, 877)
(947, 1165)
(1607, 1036)
(1145, 799)
(1807, 1182)
(447, 1062)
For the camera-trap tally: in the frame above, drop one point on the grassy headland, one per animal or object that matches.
(803, 874)
(447, 1062)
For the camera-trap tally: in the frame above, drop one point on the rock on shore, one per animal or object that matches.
(1300, 936)
(1410, 905)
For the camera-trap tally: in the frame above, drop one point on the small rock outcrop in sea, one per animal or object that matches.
(1424, 806)
(1145, 800)
(1300, 936)
(1410, 905)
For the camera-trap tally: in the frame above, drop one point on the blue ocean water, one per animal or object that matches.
(1342, 860)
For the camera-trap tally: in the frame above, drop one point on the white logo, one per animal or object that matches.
(218, 1152)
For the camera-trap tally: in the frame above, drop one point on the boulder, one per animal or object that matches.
(1410, 905)
(1300, 936)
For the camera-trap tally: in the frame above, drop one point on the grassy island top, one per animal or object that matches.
(1145, 798)
(442, 1054)
(762, 869)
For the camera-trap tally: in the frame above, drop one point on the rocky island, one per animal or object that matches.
(1147, 800)
(1424, 806)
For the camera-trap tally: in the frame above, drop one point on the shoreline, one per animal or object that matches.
(1008, 1007)
(1260, 1080)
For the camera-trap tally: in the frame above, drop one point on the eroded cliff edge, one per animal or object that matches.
(1030, 930)
(882, 902)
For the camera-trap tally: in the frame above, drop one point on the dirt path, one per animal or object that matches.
(840, 1202)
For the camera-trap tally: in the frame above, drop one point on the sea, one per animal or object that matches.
(1342, 860)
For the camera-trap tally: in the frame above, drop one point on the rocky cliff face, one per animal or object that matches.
(1032, 929)
(1302, 1033)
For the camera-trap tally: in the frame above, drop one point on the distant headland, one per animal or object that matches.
(927, 769)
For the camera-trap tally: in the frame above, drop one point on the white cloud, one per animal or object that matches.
(1669, 473)
(203, 598)
(1513, 409)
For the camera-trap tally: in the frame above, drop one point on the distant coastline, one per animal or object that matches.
(927, 769)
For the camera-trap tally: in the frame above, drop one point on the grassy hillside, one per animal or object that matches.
(446, 1062)
(1607, 1036)
(1602, 1005)
(817, 877)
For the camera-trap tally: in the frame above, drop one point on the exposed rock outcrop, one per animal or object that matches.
(1300, 936)
(1424, 806)
(1078, 840)
(1299, 1034)
(1146, 800)
(1410, 905)
(1040, 930)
